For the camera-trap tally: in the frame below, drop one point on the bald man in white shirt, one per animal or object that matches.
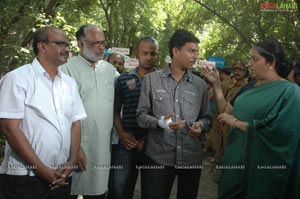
(40, 113)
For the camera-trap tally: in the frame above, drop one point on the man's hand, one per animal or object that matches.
(66, 170)
(195, 130)
(82, 161)
(176, 126)
(51, 176)
(165, 121)
(128, 140)
(141, 144)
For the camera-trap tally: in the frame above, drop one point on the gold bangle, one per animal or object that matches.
(234, 122)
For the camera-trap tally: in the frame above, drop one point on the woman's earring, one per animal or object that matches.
(270, 67)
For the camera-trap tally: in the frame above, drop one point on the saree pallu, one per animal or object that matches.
(264, 161)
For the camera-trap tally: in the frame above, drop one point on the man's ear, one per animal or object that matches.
(271, 64)
(80, 44)
(175, 51)
(41, 46)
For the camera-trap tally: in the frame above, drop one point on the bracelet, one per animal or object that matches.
(234, 122)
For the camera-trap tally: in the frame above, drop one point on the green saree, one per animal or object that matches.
(264, 161)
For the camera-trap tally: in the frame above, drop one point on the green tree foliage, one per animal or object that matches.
(226, 28)
(19, 20)
(237, 25)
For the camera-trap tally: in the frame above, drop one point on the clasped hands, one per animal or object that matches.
(130, 142)
(56, 177)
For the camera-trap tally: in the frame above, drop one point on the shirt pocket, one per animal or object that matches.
(191, 107)
(162, 104)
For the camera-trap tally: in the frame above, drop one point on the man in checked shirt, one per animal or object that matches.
(174, 106)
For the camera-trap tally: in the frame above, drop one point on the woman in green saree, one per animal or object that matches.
(262, 158)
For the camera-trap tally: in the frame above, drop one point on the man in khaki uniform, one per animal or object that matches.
(226, 81)
(240, 74)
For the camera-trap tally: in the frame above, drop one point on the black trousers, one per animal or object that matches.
(159, 181)
(25, 187)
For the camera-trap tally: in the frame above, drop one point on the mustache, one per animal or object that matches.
(66, 53)
(99, 52)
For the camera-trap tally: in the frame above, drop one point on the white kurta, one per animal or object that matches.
(96, 88)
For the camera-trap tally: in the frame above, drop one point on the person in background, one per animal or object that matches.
(117, 61)
(226, 81)
(209, 140)
(40, 113)
(225, 77)
(130, 150)
(240, 75)
(174, 106)
(262, 157)
(294, 76)
(95, 79)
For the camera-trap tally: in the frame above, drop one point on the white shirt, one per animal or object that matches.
(46, 108)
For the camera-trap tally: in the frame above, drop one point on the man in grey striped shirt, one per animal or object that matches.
(174, 106)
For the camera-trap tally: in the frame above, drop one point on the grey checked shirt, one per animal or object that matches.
(162, 95)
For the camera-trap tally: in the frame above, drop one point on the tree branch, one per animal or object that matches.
(227, 22)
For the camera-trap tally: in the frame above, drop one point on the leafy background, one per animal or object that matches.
(226, 28)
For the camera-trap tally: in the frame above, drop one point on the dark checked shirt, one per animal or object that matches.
(127, 88)
(188, 99)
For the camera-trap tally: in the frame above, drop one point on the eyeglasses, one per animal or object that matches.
(61, 44)
(238, 69)
(96, 43)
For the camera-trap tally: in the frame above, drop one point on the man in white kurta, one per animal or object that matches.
(95, 81)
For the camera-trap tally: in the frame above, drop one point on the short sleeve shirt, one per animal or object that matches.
(128, 88)
(47, 110)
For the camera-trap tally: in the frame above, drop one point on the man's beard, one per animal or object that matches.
(89, 55)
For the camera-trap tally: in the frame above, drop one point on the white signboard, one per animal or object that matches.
(131, 63)
(168, 59)
(207, 64)
(122, 51)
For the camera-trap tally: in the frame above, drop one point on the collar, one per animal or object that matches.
(86, 61)
(188, 76)
(240, 83)
(133, 71)
(41, 72)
